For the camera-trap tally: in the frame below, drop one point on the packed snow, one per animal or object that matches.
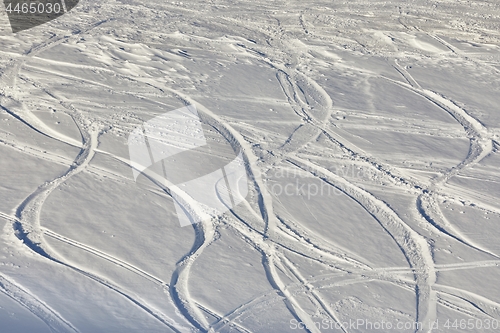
(357, 148)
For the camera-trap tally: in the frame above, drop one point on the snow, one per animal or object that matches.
(343, 155)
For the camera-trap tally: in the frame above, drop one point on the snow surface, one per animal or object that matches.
(370, 134)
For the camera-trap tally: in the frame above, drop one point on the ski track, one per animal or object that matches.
(26, 225)
(314, 293)
(54, 321)
(27, 228)
(277, 230)
(266, 210)
(293, 93)
(485, 305)
(481, 145)
(414, 246)
(105, 256)
(356, 277)
(426, 298)
(179, 289)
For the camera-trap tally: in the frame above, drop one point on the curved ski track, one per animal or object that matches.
(301, 92)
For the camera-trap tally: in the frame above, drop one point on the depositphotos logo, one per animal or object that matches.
(204, 178)
(26, 14)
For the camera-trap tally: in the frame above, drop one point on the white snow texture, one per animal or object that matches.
(251, 166)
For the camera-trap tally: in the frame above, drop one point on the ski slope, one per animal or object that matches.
(370, 136)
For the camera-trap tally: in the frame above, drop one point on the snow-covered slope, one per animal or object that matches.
(370, 136)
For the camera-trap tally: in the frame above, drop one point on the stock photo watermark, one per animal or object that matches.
(202, 185)
(302, 182)
(364, 325)
(173, 151)
(26, 14)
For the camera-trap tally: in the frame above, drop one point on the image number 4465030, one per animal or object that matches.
(26, 14)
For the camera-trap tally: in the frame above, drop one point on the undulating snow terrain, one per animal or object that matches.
(368, 134)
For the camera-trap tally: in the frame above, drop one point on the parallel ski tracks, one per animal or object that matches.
(54, 321)
(413, 245)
